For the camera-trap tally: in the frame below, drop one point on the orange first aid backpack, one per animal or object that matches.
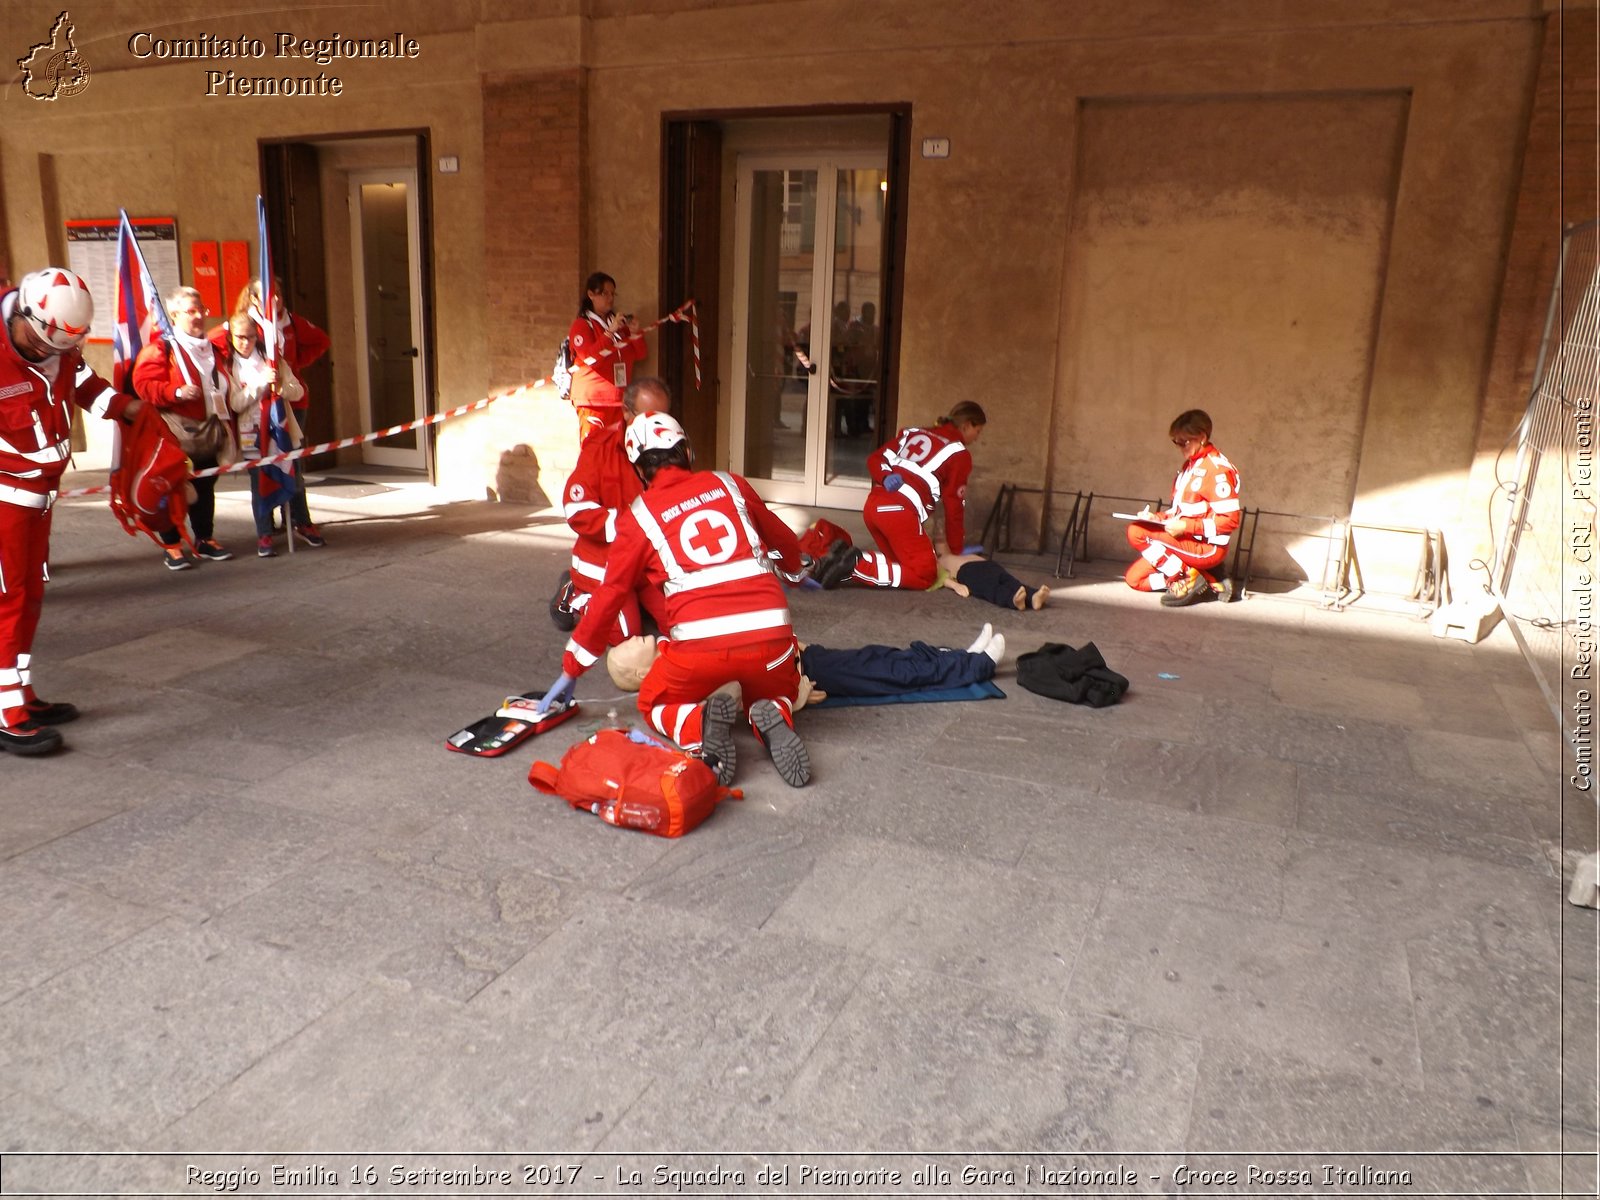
(624, 782)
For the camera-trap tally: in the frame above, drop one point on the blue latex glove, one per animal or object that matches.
(560, 692)
(893, 481)
(975, 548)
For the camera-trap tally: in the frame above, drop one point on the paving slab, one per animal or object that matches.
(390, 1069)
(614, 977)
(1267, 1102)
(1176, 858)
(138, 1035)
(1409, 891)
(921, 1062)
(53, 925)
(999, 927)
(51, 797)
(1491, 1032)
(444, 926)
(1338, 999)
(192, 857)
(1222, 783)
(1475, 761)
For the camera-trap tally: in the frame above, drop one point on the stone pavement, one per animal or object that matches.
(1296, 897)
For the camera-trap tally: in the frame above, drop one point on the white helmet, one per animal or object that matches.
(652, 431)
(58, 303)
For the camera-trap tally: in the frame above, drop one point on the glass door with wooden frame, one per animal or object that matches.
(809, 291)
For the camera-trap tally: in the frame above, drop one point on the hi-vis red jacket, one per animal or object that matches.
(600, 384)
(933, 463)
(599, 490)
(702, 537)
(1206, 495)
(35, 420)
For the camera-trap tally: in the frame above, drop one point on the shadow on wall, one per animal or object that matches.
(516, 481)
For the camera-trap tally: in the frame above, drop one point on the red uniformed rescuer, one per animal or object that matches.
(703, 537)
(42, 371)
(597, 386)
(601, 487)
(1179, 548)
(910, 476)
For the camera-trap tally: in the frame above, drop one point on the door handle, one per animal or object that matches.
(411, 353)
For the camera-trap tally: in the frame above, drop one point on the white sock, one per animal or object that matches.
(983, 639)
(996, 649)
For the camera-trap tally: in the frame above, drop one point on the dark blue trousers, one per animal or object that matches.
(890, 670)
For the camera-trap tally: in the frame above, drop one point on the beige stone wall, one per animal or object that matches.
(1226, 254)
(1005, 241)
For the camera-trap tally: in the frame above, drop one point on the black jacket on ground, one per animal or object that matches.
(1064, 672)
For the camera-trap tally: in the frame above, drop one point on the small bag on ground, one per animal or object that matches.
(822, 536)
(637, 785)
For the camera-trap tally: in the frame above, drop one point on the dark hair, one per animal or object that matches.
(1195, 422)
(593, 284)
(968, 412)
(651, 461)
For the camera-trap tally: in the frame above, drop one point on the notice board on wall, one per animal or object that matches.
(92, 253)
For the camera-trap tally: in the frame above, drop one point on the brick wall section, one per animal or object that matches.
(1557, 190)
(533, 163)
(534, 153)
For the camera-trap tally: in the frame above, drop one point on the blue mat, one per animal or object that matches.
(973, 691)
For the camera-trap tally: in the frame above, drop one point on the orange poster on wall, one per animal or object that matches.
(236, 271)
(206, 260)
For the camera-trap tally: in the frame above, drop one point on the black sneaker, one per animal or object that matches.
(564, 616)
(782, 742)
(310, 535)
(175, 560)
(837, 565)
(28, 738)
(718, 715)
(41, 712)
(208, 549)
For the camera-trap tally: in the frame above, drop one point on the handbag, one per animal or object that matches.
(211, 438)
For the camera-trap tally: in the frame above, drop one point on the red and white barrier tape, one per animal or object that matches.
(684, 312)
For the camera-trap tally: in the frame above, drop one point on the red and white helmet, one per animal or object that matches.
(652, 431)
(58, 303)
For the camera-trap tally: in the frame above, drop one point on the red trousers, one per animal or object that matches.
(24, 555)
(905, 557)
(1163, 558)
(683, 676)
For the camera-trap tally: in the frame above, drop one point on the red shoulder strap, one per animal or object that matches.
(543, 776)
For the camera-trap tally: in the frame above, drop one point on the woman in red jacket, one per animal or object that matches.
(188, 382)
(597, 386)
(911, 475)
